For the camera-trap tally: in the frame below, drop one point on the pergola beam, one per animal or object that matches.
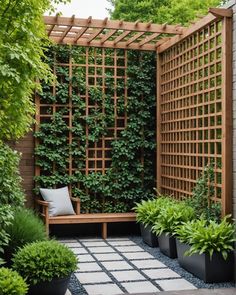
(221, 12)
(114, 25)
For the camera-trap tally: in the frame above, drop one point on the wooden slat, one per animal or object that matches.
(94, 35)
(135, 37)
(148, 39)
(194, 28)
(116, 25)
(227, 128)
(221, 12)
(107, 36)
(68, 29)
(121, 37)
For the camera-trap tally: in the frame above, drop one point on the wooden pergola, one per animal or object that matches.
(190, 63)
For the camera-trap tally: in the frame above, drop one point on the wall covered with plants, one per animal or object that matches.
(96, 126)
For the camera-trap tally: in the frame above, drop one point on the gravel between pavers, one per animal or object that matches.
(77, 289)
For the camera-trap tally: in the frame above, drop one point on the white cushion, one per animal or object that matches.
(59, 201)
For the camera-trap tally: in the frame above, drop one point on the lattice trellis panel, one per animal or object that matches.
(95, 75)
(193, 110)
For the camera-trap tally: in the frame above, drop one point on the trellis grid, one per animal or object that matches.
(103, 73)
(194, 113)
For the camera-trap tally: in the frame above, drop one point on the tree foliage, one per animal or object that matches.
(161, 11)
(22, 37)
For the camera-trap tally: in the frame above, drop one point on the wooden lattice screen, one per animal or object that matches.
(103, 73)
(194, 109)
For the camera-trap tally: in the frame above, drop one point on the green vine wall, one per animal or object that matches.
(130, 176)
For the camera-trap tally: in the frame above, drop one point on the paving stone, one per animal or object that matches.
(85, 258)
(73, 245)
(93, 277)
(122, 243)
(108, 257)
(118, 239)
(138, 287)
(79, 250)
(116, 265)
(67, 241)
(137, 255)
(91, 240)
(94, 244)
(101, 250)
(103, 289)
(129, 248)
(150, 263)
(174, 285)
(127, 275)
(88, 266)
(161, 273)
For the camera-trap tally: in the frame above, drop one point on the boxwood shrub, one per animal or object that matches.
(11, 283)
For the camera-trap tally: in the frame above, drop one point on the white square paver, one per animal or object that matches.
(127, 275)
(79, 250)
(108, 257)
(91, 240)
(103, 289)
(73, 245)
(67, 240)
(95, 244)
(137, 255)
(161, 273)
(140, 287)
(93, 277)
(122, 243)
(101, 250)
(85, 258)
(129, 248)
(116, 265)
(174, 285)
(150, 263)
(88, 266)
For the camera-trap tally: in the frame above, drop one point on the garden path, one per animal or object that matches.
(126, 265)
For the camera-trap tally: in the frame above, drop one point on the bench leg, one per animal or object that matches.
(104, 230)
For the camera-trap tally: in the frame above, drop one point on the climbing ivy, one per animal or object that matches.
(129, 179)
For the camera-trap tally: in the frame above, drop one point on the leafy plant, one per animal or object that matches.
(171, 217)
(208, 236)
(147, 211)
(10, 181)
(6, 217)
(201, 197)
(25, 228)
(11, 283)
(43, 261)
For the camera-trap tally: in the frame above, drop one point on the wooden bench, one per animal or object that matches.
(102, 218)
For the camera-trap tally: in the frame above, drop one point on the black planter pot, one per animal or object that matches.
(213, 270)
(167, 244)
(54, 287)
(148, 237)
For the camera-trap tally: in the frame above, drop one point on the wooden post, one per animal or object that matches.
(227, 116)
(104, 230)
(158, 125)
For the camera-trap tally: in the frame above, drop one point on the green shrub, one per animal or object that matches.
(6, 216)
(171, 217)
(25, 228)
(43, 261)
(10, 181)
(207, 236)
(148, 211)
(11, 283)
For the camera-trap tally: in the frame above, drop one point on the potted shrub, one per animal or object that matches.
(206, 249)
(146, 214)
(11, 283)
(168, 220)
(46, 266)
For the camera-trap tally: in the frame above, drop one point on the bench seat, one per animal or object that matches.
(102, 218)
